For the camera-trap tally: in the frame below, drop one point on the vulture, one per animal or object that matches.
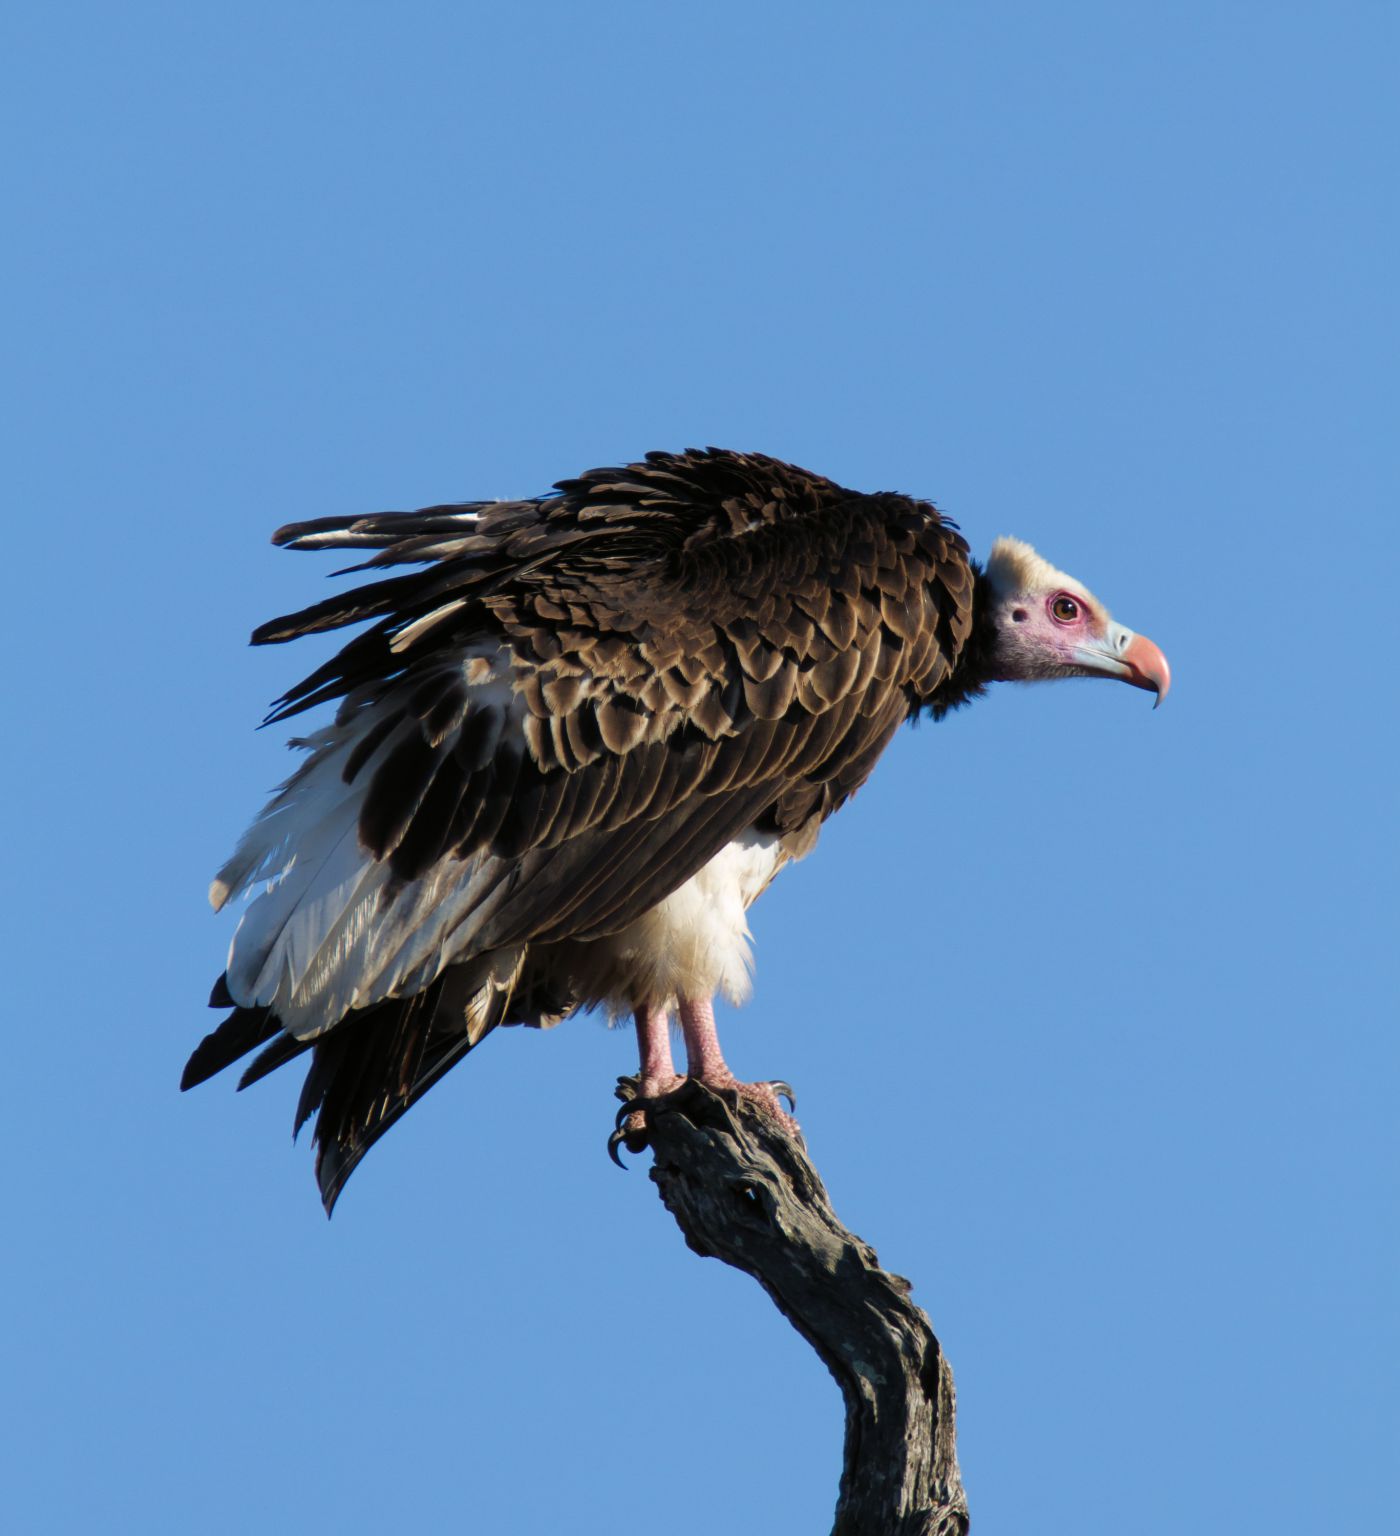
(580, 736)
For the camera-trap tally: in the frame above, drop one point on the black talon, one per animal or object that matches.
(784, 1091)
(634, 1138)
(616, 1140)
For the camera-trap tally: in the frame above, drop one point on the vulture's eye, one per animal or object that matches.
(1065, 609)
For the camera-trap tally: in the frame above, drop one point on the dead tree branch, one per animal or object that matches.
(743, 1191)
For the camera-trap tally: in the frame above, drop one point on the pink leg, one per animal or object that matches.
(704, 1059)
(656, 1070)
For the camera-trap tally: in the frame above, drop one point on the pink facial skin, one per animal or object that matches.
(1062, 634)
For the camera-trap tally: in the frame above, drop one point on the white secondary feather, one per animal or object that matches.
(328, 933)
(411, 634)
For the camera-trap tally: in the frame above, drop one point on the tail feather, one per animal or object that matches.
(282, 1050)
(376, 1062)
(364, 1078)
(244, 1030)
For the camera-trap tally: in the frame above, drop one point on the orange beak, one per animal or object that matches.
(1148, 667)
(1129, 657)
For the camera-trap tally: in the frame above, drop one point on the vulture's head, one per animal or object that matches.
(1046, 625)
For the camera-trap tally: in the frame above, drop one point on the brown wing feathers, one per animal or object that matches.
(681, 649)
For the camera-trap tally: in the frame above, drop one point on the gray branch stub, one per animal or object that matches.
(744, 1191)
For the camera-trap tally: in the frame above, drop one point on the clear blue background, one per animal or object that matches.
(1091, 1010)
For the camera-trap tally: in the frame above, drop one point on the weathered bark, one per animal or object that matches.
(742, 1190)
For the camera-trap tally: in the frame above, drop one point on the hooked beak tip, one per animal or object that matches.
(1149, 667)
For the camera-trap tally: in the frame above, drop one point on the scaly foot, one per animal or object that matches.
(768, 1096)
(642, 1095)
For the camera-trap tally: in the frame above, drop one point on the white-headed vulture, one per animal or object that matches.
(579, 736)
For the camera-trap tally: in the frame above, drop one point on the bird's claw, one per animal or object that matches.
(629, 1124)
(633, 1137)
(784, 1091)
(616, 1140)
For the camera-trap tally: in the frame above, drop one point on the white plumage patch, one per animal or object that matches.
(695, 943)
(328, 932)
(1013, 568)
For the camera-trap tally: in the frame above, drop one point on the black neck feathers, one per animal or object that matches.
(974, 669)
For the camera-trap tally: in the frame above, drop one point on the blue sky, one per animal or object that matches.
(1091, 1010)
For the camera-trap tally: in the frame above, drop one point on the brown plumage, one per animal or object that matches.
(554, 723)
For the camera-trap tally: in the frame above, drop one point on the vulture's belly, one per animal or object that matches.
(694, 943)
